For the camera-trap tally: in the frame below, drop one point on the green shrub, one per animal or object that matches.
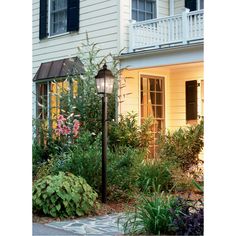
(152, 216)
(63, 195)
(85, 159)
(122, 170)
(155, 176)
(183, 146)
(128, 133)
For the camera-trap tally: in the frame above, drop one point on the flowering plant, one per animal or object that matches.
(67, 127)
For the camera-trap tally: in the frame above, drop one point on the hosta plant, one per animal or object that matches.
(63, 195)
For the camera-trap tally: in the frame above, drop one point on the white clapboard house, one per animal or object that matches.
(163, 53)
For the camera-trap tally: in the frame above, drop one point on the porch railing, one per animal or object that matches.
(171, 30)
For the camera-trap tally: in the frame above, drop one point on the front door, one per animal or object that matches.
(153, 104)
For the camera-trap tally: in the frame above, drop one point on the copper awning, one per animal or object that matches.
(59, 68)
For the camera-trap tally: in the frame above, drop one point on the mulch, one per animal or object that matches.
(112, 207)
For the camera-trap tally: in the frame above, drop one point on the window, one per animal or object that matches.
(42, 100)
(53, 98)
(58, 16)
(152, 104)
(56, 87)
(194, 5)
(143, 9)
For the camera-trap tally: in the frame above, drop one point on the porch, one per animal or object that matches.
(161, 92)
(168, 31)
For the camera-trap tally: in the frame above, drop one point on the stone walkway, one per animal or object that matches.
(100, 225)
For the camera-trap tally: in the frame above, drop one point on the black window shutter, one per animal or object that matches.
(191, 4)
(191, 99)
(43, 19)
(73, 15)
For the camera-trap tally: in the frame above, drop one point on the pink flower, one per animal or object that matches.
(61, 118)
(66, 130)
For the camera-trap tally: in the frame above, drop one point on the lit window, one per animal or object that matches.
(152, 104)
(143, 9)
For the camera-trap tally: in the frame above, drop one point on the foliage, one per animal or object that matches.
(198, 186)
(89, 103)
(85, 102)
(190, 220)
(126, 132)
(37, 156)
(122, 170)
(182, 180)
(155, 175)
(63, 195)
(84, 159)
(183, 146)
(165, 215)
(152, 216)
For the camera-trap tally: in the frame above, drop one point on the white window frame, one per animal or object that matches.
(156, 10)
(50, 35)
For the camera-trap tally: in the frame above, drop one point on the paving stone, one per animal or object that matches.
(101, 225)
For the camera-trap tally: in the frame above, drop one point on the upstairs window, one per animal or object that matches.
(58, 16)
(194, 5)
(143, 9)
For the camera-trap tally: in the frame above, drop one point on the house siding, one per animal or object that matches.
(178, 6)
(163, 8)
(98, 18)
(176, 110)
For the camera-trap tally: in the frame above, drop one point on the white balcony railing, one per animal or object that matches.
(171, 30)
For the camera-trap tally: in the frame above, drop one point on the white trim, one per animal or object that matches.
(157, 8)
(57, 35)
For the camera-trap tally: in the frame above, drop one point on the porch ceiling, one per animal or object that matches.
(163, 57)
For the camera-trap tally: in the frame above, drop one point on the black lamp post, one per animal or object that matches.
(104, 82)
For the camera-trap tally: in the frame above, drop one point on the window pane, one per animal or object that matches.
(141, 5)
(42, 101)
(152, 84)
(152, 97)
(141, 83)
(149, 6)
(134, 15)
(142, 112)
(159, 98)
(134, 4)
(159, 112)
(148, 16)
(159, 85)
(141, 16)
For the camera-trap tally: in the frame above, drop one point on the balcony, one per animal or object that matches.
(168, 31)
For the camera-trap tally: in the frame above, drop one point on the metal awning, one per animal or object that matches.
(59, 68)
